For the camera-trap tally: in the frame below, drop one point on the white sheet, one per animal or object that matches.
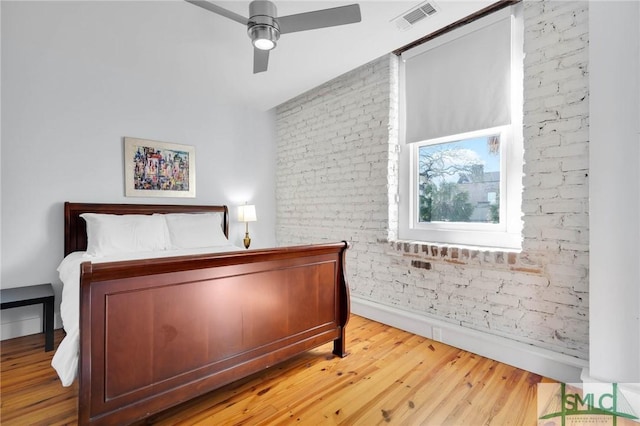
(65, 360)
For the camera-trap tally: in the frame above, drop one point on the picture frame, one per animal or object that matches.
(159, 169)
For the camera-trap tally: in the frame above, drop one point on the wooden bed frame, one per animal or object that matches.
(158, 332)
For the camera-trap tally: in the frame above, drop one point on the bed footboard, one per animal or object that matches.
(157, 332)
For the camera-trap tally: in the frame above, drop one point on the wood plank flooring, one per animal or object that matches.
(390, 377)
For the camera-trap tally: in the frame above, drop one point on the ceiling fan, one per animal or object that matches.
(265, 27)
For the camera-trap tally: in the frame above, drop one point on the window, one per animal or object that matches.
(461, 163)
(459, 180)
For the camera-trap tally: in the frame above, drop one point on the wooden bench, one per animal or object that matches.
(33, 295)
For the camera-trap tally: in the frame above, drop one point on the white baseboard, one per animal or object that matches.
(21, 328)
(541, 361)
(25, 326)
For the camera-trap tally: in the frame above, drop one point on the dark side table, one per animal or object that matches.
(33, 295)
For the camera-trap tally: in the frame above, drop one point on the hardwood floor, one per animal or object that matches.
(390, 377)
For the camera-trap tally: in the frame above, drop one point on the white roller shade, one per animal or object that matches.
(461, 85)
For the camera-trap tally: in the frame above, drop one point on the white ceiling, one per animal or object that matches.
(305, 60)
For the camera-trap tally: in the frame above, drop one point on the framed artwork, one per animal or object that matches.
(159, 169)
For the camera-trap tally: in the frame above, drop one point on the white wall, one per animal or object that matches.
(615, 192)
(79, 76)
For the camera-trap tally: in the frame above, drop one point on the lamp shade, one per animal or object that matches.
(247, 213)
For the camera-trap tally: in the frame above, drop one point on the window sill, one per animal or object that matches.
(472, 239)
(423, 252)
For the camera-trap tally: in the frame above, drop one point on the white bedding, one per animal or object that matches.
(65, 360)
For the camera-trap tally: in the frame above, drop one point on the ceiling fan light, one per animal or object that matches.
(264, 44)
(263, 37)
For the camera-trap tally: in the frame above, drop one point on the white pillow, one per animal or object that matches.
(109, 234)
(194, 230)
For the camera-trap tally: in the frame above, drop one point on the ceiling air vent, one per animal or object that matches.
(415, 15)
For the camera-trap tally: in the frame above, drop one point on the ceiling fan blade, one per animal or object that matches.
(260, 60)
(219, 10)
(320, 19)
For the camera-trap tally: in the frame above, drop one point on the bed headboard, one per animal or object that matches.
(75, 228)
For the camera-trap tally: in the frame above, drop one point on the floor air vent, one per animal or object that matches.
(415, 15)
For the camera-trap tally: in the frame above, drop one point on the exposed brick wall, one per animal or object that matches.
(333, 156)
(338, 172)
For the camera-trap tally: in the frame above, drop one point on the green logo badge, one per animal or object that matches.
(575, 406)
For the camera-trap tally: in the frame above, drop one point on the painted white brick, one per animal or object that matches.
(575, 86)
(572, 313)
(504, 300)
(531, 280)
(337, 174)
(563, 206)
(541, 89)
(575, 58)
(537, 194)
(574, 191)
(544, 40)
(572, 150)
(520, 291)
(487, 285)
(561, 234)
(562, 297)
(549, 165)
(578, 177)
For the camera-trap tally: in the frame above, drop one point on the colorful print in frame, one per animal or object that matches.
(159, 169)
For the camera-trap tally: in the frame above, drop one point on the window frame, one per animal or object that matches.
(507, 234)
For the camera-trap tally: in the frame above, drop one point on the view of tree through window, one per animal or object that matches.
(460, 181)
